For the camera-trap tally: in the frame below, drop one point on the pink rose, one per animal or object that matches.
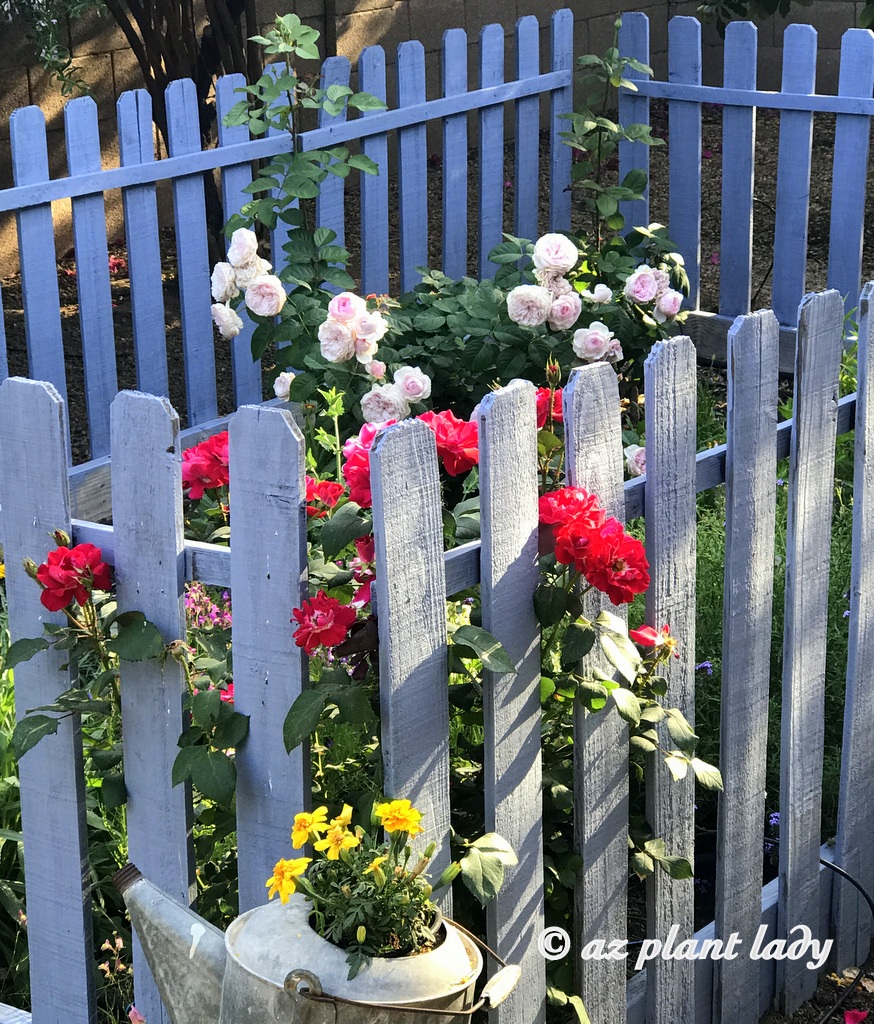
(243, 248)
(282, 384)
(413, 384)
(529, 305)
(642, 286)
(336, 342)
(226, 319)
(370, 326)
(555, 252)
(599, 294)
(565, 312)
(663, 281)
(554, 282)
(245, 276)
(224, 287)
(614, 353)
(635, 460)
(346, 306)
(668, 305)
(384, 402)
(376, 369)
(265, 296)
(593, 342)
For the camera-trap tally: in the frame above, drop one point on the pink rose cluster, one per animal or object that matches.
(648, 285)
(351, 330)
(553, 300)
(245, 271)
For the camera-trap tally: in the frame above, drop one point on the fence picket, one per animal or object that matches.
(527, 136)
(561, 101)
(671, 386)
(36, 253)
(374, 187)
(511, 703)
(281, 232)
(855, 817)
(850, 168)
(245, 370)
(410, 590)
(192, 257)
(35, 498)
(594, 461)
(4, 361)
(330, 202)
(137, 146)
(149, 551)
(738, 162)
(793, 174)
(684, 150)
(808, 536)
(490, 218)
(454, 71)
(750, 504)
(268, 573)
(634, 109)
(92, 273)
(412, 166)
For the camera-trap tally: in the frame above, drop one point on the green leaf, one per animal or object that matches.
(493, 845)
(23, 650)
(612, 623)
(592, 695)
(606, 204)
(547, 689)
(622, 655)
(30, 730)
(364, 101)
(303, 717)
(363, 163)
(642, 864)
(576, 644)
(709, 776)
(483, 875)
(322, 236)
(342, 528)
(677, 867)
(678, 765)
(680, 731)
(214, 774)
(137, 639)
(627, 705)
(353, 704)
(550, 604)
(487, 647)
(113, 790)
(181, 770)
(231, 730)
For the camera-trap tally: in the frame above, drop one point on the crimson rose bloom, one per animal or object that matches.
(356, 468)
(571, 504)
(322, 493)
(323, 621)
(543, 407)
(205, 465)
(615, 563)
(457, 441)
(70, 574)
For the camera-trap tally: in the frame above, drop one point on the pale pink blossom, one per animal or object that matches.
(555, 252)
(346, 306)
(668, 305)
(224, 286)
(226, 319)
(413, 384)
(245, 276)
(599, 294)
(282, 384)
(384, 402)
(593, 342)
(336, 341)
(371, 326)
(635, 460)
(554, 282)
(265, 296)
(376, 369)
(243, 248)
(614, 353)
(565, 312)
(663, 282)
(641, 286)
(529, 305)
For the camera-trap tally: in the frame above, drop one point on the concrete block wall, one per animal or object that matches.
(100, 50)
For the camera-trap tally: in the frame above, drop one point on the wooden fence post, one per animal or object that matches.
(35, 501)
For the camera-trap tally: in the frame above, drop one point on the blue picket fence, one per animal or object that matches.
(797, 103)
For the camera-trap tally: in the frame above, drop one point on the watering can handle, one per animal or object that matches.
(304, 984)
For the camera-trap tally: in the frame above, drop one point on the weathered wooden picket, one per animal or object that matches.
(265, 569)
(739, 97)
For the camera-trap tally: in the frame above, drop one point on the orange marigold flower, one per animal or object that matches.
(400, 816)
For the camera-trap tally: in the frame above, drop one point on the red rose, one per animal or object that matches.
(572, 504)
(615, 563)
(70, 574)
(323, 622)
(227, 694)
(457, 441)
(543, 407)
(646, 636)
(205, 465)
(571, 541)
(356, 468)
(321, 492)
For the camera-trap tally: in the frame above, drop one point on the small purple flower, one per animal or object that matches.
(774, 819)
(847, 614)
(781, 482)
(705, 666)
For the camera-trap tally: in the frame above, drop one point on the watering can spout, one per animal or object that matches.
(185, 953)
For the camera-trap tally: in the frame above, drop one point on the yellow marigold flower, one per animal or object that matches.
(400, 816)
(344, 818)
(284, 874)
(337, 839)
(374, 864)
(2, 570)
(305, 823)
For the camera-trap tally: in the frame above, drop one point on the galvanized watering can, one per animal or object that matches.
(270, 967)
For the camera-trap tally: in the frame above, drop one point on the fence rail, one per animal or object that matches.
(34, 497)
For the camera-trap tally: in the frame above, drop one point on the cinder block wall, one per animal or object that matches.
(347, 26)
